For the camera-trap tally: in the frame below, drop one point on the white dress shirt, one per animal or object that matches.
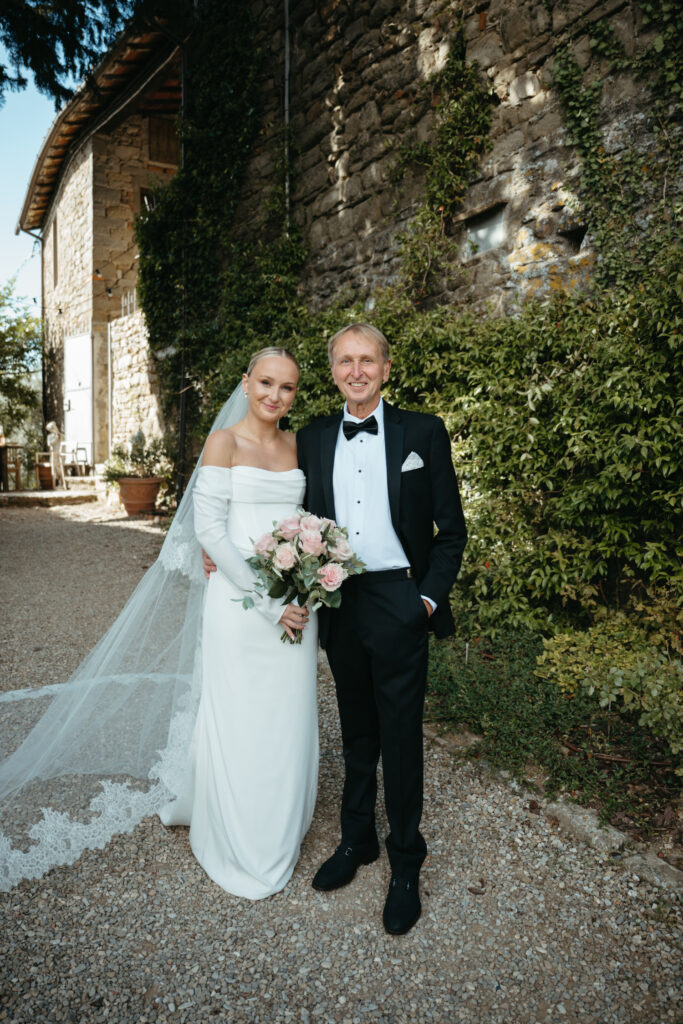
(361, 496)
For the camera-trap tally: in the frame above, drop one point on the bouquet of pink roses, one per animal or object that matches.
(306, 559)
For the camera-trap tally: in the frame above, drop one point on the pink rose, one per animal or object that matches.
(265, 544)
(289, 527)
(341, 550)
(312, 542)
(311, 524)
(285, 556)
(331, 576)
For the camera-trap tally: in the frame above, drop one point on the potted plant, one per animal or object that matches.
(138, 469)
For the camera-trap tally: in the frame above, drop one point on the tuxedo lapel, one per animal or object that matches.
(393, 442)
(327, 448)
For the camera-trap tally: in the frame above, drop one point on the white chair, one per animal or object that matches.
(80, 454)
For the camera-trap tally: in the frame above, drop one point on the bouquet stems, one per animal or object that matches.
(286, 638)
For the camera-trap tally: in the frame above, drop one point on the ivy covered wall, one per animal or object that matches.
(561, 148)
(362, 90)
(470, 154)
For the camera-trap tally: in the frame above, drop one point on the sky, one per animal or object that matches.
(25, 120)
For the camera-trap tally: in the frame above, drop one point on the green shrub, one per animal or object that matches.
(138, 458)
(530, 728)
(618, 662)
(565, 416)
(566, 422)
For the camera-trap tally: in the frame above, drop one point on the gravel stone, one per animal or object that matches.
(521, 923)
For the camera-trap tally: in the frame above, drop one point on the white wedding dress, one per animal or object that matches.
(251, 787)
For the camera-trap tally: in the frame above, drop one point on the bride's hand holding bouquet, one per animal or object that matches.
(305, 559)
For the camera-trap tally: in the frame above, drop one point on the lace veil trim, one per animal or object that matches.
(112, 746)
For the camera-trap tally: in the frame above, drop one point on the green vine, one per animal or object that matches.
(461, 137)
(626, 200)
(463, 120)
(565, 416)
(604, 44)
(662, 63)
(184, 241)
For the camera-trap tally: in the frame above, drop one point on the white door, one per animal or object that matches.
(78, 393)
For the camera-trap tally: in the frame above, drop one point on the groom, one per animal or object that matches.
(386, 475)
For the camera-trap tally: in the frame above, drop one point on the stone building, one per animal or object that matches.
(354, 72)
(358, 71)
(113, 142)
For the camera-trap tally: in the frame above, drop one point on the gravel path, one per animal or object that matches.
(520, 924)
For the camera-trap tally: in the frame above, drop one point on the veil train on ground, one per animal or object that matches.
(91, 757)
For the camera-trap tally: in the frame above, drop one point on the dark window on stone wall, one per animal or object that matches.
(163, 142)
(486, 230)
(574, 235)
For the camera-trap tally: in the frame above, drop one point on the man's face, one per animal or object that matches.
(359, 371)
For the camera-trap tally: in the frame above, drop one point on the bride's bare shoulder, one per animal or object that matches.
(219, 449)
(289, 441)
(289, 437)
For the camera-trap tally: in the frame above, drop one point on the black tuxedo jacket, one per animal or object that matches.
(418, 498)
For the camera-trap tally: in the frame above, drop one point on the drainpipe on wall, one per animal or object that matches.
(110, 381)
(286, 90)
(182, 410)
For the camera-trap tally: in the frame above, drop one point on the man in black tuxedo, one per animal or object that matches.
(386, 475)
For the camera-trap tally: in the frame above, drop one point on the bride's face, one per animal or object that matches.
(271, 387)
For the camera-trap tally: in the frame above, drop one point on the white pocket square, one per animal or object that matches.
(413, 461)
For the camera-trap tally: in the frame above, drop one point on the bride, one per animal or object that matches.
(189, 706)
(255, 750)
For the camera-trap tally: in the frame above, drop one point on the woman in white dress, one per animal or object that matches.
(250, 797)
(189, 706)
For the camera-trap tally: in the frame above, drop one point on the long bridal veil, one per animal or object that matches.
(111, 747)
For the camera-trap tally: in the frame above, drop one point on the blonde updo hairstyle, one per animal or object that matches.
(270, 350)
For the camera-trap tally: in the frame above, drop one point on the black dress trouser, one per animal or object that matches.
(377, 648)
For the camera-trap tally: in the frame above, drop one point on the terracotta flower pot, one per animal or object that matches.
(139, 493)
(44, 474)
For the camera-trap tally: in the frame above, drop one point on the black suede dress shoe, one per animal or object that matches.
(341, 867)
(402, 908)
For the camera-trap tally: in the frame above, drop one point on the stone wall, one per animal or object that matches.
(94, 210)
(357, 77)
(358, 72)
(135, 401)
(121, 171)
(67, 303)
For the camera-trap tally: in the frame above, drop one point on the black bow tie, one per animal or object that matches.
(351, 429)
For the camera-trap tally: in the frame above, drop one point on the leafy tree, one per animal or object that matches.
(60, 42)
(20, 349)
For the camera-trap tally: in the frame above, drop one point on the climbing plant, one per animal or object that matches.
(451, 158)
(565, 417)
(184, 240)
(625, 194)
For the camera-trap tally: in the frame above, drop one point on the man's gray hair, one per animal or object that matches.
(368, 331)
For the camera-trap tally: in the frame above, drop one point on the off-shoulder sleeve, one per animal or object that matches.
(212, 494)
